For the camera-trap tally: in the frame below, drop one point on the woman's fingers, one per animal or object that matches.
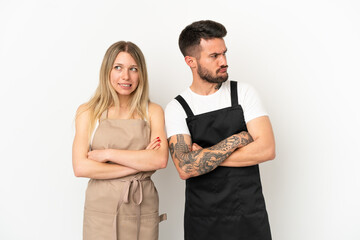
(151, 144)
(154, 144)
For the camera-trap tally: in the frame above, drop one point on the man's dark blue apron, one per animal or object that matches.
(226, 203)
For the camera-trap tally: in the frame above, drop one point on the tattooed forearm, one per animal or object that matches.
(226, 144)
(202, 161)
(245, 138)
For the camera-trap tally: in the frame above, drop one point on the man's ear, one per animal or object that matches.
(191, 61)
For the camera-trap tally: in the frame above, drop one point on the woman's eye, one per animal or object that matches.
(117, 67)
(134, 69)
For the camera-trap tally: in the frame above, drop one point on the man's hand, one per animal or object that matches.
(261, 149)
(195, 147)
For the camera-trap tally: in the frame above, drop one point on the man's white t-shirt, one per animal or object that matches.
(175, 116)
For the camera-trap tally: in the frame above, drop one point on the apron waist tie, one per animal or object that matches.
(137, 196)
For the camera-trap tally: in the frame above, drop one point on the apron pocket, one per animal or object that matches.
(97, 225)
(149, 227)
(250, 196)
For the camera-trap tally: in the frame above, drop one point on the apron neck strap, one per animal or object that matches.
(234, 93)
(185, 106)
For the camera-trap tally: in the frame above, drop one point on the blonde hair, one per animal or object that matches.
(105, 95)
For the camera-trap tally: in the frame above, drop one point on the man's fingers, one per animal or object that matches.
(195, 147)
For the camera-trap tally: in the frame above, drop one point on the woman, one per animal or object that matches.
(121, 200)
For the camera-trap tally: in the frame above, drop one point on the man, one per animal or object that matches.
(218, 133)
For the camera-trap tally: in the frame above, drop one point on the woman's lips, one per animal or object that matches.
(125, 85)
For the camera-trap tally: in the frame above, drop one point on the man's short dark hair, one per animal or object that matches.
(190, 37)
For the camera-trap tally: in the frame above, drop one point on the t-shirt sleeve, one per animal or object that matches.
(175, 119)
(250, 101)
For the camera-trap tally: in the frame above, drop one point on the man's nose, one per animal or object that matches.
(222, 60)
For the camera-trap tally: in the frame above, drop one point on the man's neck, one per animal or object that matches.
(202, 87)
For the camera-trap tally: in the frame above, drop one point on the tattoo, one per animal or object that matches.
(205, 160)
(226, 144)
(218, 86)
(245, 138)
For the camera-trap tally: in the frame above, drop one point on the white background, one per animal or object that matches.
(301, 56)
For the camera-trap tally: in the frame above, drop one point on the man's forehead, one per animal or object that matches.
(213, 45)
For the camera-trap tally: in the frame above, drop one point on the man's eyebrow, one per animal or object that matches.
(217, 53)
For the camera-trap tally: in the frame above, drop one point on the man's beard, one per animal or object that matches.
(206, 75)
